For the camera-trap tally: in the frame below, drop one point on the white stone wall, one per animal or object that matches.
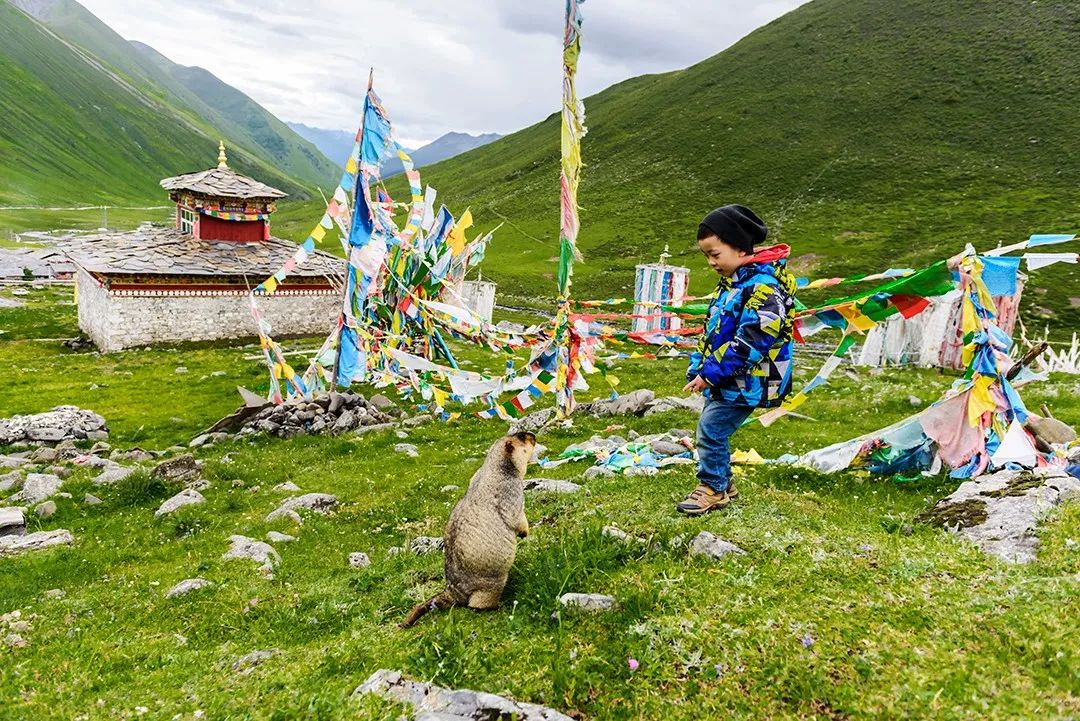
(115, 320)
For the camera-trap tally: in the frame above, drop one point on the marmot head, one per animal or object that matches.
(515, 450)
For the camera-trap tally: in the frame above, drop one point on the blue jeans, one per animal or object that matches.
(719, 419)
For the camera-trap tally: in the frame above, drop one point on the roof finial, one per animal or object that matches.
(665, 255)
(221, 159)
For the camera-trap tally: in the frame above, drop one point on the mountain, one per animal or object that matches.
(868, 134)
(244, 121)
(337, 144)
(334, 144)
(89, 117)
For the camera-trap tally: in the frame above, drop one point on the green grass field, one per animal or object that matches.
(844, 606)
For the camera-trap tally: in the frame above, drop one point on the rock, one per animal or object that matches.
(12, 545)
(667, 448)
(180, 369)
(276, 537)
(589, 601)
(246, 664)
(186, 497)
(533, 422)
(450, 488)
(346, 421)
(422, 545)
(187, 586)
(137, 455)
(395, 551)
(406, 448)
(1051, 430)
(12, 521)
(547, 486)
(915, 401)
(181, 469)
(199, 440)
(112, 475)
(44, 455)
(60, 471)
(632, 403)
(597, 472)
(55, 594)
(322, 503)
(218, 374)
(36, 488)
(709, 545)
(14, 640)
(1001, 512)
(97, 435)
(46, 509)
(619, 535)
(435, 703)
(249, 549)
(337, 401)
(11, 481)
(91, 500)
(694, 404)
(12, 462)
(360, 560)
(100, 447)
(382, 403)
(287, 486)
(641, 471)
(57, 424)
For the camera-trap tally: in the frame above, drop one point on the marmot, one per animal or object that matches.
(481, 536)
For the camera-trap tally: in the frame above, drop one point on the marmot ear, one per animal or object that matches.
(510, 447)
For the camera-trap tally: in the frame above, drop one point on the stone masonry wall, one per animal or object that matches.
(116, 321)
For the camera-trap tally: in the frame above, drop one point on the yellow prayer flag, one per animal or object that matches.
(270, 284)
(319, 233)
(456, 239)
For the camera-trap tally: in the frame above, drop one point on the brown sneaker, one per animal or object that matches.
(702, 500)
(732, 491)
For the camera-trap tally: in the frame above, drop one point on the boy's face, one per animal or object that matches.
(722, 258)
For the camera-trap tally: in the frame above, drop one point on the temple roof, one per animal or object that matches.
(154, 250)
(222, 182)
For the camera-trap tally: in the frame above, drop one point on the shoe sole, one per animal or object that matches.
(701, 511)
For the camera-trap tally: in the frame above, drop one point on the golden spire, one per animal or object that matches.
(221, 159)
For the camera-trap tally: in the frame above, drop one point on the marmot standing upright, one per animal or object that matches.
(481, 535)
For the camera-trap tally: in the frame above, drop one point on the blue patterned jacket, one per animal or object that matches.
(745, 352)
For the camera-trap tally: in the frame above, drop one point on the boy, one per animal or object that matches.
(743, 358)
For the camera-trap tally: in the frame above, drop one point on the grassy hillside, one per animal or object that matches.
(78, 130)
(868, 133)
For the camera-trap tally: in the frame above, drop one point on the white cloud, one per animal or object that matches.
(470, 65)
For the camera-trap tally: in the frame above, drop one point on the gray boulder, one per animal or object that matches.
(181, 469)
(249, 549)
(37, 487)
(11, 481)
(109, 476)
(435, 703)
(1000, 513)
(46, 509)
(711, 546)
(187, 586)
(186, 497)
(57, 424)
(422, 545)
(632, 403)
(359, 560)
(589, 601)
(246, 664)
(321, 503)
(13, 545)
(12, 521)
(543, 485)
(694, 404)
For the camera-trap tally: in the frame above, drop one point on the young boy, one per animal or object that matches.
(743, 358)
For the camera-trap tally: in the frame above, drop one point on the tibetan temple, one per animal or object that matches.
(190, 281)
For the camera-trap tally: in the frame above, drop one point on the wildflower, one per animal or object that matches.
(632, 663)
(807, 641)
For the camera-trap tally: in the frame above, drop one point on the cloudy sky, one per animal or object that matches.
(440, 65)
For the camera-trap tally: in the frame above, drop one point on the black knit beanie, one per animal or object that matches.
(736, 225)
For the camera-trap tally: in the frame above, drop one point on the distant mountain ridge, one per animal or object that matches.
(337, 144)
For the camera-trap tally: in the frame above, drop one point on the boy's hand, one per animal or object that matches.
(695, 386)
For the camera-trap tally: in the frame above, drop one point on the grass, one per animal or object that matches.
(844, 606)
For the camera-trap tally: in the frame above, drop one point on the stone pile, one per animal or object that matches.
(329, 413)
(642, 402)
(55, 425)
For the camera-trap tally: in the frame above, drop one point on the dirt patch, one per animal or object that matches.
(1074, 302)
